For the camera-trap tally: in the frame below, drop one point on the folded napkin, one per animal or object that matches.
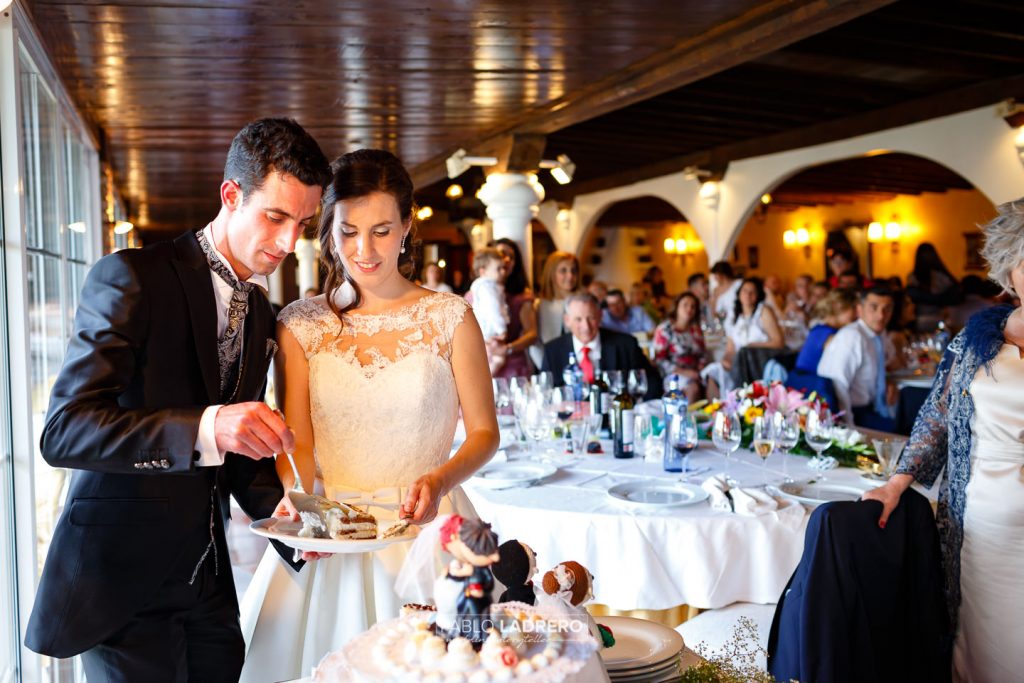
(747, 502)
(718, 490)
(753, 502)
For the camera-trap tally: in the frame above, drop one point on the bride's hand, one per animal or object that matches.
(423, 498)
(286, 509)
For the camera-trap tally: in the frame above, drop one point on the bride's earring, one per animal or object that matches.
(403, 244)
(343, 295)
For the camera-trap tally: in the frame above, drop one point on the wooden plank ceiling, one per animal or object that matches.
(628, 89)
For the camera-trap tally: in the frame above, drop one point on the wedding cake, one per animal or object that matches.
(526, 644)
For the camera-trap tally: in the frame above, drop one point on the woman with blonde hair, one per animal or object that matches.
(559, 279)
(837, 309)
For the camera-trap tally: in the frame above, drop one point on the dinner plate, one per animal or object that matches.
(638, 644)
(649, 494)
(501, 475)
(650, 673)
(286, 531)
(815, 492)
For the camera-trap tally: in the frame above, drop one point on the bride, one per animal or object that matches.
(374, 372)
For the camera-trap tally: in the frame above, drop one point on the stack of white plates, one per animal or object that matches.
(644, 652)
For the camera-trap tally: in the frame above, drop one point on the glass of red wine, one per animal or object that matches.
(682, 435)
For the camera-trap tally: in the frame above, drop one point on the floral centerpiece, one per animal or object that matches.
(756, 399)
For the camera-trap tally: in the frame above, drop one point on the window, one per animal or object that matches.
(59, 173)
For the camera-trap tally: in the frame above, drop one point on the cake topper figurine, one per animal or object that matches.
(573, 584)
(516, 565)
(468, 579)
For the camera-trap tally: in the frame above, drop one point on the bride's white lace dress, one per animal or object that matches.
(384, 408)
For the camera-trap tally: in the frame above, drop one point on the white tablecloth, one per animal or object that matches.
(663, 558)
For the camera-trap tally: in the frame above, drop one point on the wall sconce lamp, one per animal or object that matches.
(891, 232)
(562, 168)
(123, 227)
(424, 213)
(454, 191)
(681, 247)
(801, 237)
(710, 192)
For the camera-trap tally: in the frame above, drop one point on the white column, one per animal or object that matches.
(309, 273)
(512, 200)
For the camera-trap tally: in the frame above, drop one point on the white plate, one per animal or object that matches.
(502, 475)
(647, 674)
(648, 494)
(817, 492)
(286, 531)
(638, 643)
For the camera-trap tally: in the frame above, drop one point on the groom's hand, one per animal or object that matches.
(252, 429)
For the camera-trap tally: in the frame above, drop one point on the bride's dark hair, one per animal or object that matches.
(360, 174)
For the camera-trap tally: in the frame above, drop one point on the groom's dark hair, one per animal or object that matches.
(270, 145)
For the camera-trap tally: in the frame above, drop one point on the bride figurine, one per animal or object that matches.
(371, 376)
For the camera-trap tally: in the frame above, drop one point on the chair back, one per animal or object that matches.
(806, 383)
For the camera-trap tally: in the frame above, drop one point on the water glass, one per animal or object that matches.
(888, 452)
(502, 395)
(578, 434)
(682, 439)
(613, 378)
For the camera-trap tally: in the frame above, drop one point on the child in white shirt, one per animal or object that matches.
(489, 304)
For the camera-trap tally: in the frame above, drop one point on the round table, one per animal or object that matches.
(664, 557)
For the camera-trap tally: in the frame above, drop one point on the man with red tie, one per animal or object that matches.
(597, 349)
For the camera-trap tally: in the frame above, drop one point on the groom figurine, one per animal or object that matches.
(158, 411)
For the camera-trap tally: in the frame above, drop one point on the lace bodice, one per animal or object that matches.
(382, 394)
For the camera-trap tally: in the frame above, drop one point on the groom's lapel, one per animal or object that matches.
(194, 273)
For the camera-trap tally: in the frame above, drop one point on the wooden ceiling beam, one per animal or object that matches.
(771, 26)
(921, 109)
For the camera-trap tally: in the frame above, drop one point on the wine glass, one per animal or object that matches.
(637, 383)
(613, 378)
(764, 441)
(682, 432)
(543, 380)
(787, 436)
(819, 432)
(536, 422)
(502, 396)
(726, 434)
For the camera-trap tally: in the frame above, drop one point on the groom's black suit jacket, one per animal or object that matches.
(124, 414)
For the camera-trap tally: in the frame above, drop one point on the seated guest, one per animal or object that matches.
(640, 295)
(773, 294)
(697, 284)
(836, 310)
(752, 323)
(621, 317)
(657, 295)
(599, 289)
(819, 290)
(679, 344)
(855, 362)
(724, 285)
(843, 261)
(798, 302)
(850, 281)
(596, 349)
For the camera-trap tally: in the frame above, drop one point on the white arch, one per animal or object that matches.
(976, 144)
(673, 189)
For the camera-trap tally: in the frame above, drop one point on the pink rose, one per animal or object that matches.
(509, 657)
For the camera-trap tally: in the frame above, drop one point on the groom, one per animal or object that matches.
(158, 411)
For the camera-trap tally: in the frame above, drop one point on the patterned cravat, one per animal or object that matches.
(229, 345)
(587, 365)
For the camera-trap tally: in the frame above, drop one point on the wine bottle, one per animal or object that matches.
(600, 400)
(622, 425)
